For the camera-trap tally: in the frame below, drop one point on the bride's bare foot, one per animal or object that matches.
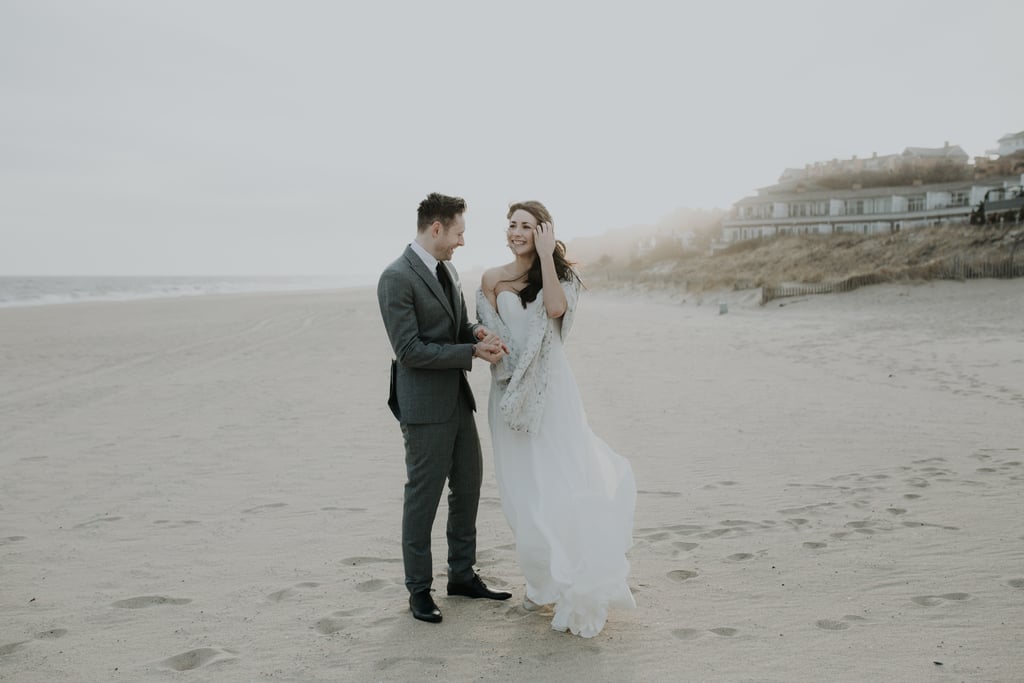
(529, 605)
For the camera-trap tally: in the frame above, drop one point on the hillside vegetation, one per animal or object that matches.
(808, 259)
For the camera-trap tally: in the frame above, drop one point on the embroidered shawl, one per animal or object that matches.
(523, 373)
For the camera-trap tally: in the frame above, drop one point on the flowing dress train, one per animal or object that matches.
(567, 495)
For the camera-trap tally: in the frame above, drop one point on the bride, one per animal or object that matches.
(567, 496)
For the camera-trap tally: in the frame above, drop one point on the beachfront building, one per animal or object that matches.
(878, 194)
(1008, 159)
(1010, 143)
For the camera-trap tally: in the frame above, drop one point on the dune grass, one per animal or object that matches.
(917, 254)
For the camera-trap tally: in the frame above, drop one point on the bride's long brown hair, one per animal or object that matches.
(534, 278)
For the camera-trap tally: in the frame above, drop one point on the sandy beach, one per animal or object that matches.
(209, 489)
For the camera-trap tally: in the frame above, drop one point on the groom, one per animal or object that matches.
(434, 343)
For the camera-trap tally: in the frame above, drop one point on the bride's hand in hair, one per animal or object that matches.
(544, 240)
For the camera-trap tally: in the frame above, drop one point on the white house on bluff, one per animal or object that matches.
(1009, 144)
(921, 186)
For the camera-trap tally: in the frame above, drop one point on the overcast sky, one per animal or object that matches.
(256, 137)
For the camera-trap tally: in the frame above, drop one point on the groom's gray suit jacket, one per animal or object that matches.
(432, 339)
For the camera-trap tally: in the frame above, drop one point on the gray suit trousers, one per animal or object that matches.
(433, 453)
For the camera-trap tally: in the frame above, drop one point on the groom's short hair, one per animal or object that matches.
(439, 207)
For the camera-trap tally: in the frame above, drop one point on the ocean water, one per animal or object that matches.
(40, 291)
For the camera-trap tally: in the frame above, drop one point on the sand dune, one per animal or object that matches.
(210, 489)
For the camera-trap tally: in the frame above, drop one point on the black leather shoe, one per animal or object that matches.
(475, 588)
(423, 607)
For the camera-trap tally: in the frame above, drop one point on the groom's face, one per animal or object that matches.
(447, 241)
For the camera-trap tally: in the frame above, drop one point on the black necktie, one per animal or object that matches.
(444, 279)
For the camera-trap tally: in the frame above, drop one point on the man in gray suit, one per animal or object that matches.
(424, 313)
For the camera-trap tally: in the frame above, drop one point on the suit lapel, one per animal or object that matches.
(430, 280)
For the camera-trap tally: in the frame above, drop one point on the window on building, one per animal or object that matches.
(915, 203)
(879, 205)
(853, 207)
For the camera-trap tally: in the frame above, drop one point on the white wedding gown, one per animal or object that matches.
(568, 497)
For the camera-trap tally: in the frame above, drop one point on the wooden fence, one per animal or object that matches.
(952, 269)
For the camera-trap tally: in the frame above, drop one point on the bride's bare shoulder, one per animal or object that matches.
(492, 276)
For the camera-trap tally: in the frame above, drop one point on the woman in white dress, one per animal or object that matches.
(567, 496)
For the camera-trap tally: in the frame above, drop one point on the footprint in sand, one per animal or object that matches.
(280, 595)
(806, 509)
(680, 575)
(328, 626)
(684, 546)
(911, 496)
(896, 511)
(815, 544)
(933, 600)
(144, 601)
(371, 585)
(52, 634)
(667, 494)
(937, 526)
(867, 527)
(743, 523)
(261, 508)
(686, 633)
(10, 647)
(331, 625)
(176, 524)
(834, 625)
(715, 533)
(1015, 583)
(684, 529)
(194, 659)
(831, 625)
(96, 521)
(339, 620)
(739, 557)
(12, 539)
(359, 561)
(724, 631)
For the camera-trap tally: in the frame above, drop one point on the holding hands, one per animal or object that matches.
(489, 346)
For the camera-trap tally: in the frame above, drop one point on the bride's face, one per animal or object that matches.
(521, 227)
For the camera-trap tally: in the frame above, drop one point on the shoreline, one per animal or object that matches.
(21, 292)
(178, 297)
